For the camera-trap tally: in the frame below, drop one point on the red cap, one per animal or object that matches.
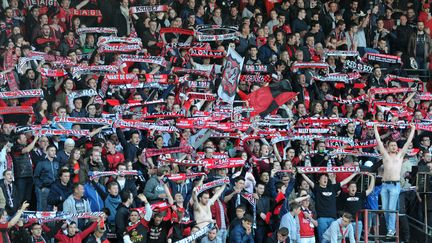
(426, 5)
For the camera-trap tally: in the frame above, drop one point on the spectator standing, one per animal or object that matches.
(420, 45)
(73, 234)
(60, 190)
(137, 230)
(95, 193)
(112, 201)
(392, 161)
(154, 189)
(76, 203)
(306, 219)
(5, 225)
(45, 175)
(325, 199)
(23, 166)
(353, 201)
(211, 237)
(291, 221)
(262, 208)
(10, 192)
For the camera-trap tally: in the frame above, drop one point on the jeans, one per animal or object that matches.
(323, 225)
(42, 198)
(222, 234)
(372, 219)
(24, 189)
(359, 226)
(389, 198)
(307, 240)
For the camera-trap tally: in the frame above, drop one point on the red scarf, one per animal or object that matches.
(291, 50)
(306, 97)
(71, 44)
(343, 233)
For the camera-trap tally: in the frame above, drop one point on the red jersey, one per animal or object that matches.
(306, 226)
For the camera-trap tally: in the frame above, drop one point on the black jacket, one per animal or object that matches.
(37, 155)
(106, 8)
(129, 185)
(58, 194)
(312, 89)
(326, 22)
(121, 221)
(129, 149)
(22, 162)
(119, 22)
(273, 239)
(10, 210)
(22, 235)
(262, 206)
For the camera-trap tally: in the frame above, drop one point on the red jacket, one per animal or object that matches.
(114, 159)
(78, 238)
(216, 213)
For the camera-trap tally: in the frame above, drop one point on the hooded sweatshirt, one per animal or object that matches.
(112, 203)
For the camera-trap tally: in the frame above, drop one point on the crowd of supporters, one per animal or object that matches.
(115, 126)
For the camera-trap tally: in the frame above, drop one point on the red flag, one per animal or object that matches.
(269, 98)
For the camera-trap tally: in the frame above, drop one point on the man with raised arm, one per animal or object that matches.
(392, 161)
(325, 199)
(202, 203)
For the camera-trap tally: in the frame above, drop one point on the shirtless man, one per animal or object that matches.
(392, 161)
(201, 205)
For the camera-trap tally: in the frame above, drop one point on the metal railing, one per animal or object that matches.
(419, 231)
(376, 237)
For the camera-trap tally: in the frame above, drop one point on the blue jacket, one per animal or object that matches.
(91, 193)
(274, 193)
(238, 235)
(112, 203)
(184, 188)
(265, 53)
(292, 224)
(46, 173)
(62, 157)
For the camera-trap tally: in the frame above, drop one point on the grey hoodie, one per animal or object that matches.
(153, 189)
